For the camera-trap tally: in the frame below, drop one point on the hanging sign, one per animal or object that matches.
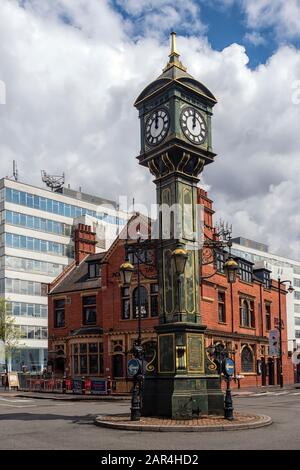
(273, 343)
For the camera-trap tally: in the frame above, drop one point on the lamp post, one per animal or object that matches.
(126, 272)
(290, 290)
(225, 365)
(220, 353)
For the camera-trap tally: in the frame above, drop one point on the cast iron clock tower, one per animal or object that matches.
(175, 113)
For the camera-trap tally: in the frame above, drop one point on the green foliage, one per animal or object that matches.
(10, 334)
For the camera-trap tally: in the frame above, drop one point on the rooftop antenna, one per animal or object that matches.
(55, 182)
(15, 171)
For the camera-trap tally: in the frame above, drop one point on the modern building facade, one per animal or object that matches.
(287, 269)
(93, 320)
(36, 244)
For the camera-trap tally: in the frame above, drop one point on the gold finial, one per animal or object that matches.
(174, 56)
(173, 44)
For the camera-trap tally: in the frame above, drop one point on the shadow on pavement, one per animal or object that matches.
(87, 419)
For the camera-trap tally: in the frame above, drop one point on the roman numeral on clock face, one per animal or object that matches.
(193, 125)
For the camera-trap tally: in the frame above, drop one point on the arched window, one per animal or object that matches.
(247, 316)
(247, 359)
(143, 300)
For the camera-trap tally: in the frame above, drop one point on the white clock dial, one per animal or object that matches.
(157, 126)
(193, 125)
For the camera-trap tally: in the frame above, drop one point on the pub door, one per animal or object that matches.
(117, 366)
(271, 371)
(263, 372)
(59, 366)
(297, 378)
(278, 371)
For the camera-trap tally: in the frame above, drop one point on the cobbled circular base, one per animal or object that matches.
(206, 423)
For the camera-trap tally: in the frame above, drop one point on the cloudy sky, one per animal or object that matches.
(73, 68)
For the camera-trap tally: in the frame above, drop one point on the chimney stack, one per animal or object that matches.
(85, 242)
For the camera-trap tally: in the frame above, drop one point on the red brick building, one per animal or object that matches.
(93, 318)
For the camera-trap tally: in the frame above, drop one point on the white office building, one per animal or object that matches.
(36, 244)
(288, 269)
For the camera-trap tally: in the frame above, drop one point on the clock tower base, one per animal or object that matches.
(186, 385)
(182, 397)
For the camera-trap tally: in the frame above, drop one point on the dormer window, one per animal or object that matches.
(266, 279)
(94, 270)
(220, 260)
(264, 276)
(246, 272)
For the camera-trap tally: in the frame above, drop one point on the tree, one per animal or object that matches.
(10, 334)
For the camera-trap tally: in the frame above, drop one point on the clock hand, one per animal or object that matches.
(156, 121)
(194, 119)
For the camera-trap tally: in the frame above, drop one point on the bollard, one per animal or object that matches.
(64, 387)
(68, 384)
(83, 385)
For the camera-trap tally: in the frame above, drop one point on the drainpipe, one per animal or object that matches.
(261, 312)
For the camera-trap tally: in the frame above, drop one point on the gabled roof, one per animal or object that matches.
(77, 278)
(137, 220)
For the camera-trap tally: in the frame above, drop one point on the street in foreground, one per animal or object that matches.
(28, 423)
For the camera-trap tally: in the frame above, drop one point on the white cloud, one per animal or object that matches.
(70, 93)
(156, 17)
(282, 15)
(255, 38)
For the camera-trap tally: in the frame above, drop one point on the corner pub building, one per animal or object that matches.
(93, 320)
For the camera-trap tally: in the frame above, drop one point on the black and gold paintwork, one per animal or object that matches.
(184, 384)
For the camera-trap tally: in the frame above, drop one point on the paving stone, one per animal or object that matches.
(206, 423)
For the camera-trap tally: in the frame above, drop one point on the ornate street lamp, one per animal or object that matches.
(180, 257)
(231, 268)
(126, 271)
(136, 366)
(225, 365)
(290, 289)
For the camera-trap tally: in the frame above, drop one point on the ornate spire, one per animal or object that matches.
(173, 44)
(174, 56)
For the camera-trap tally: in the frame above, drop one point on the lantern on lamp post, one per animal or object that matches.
(231, 268)
(126, 271)
(180, 257)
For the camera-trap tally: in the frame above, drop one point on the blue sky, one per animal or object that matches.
(228, 25)
(223, 23)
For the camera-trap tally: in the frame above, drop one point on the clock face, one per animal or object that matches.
(157, 126)
(193, 125)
